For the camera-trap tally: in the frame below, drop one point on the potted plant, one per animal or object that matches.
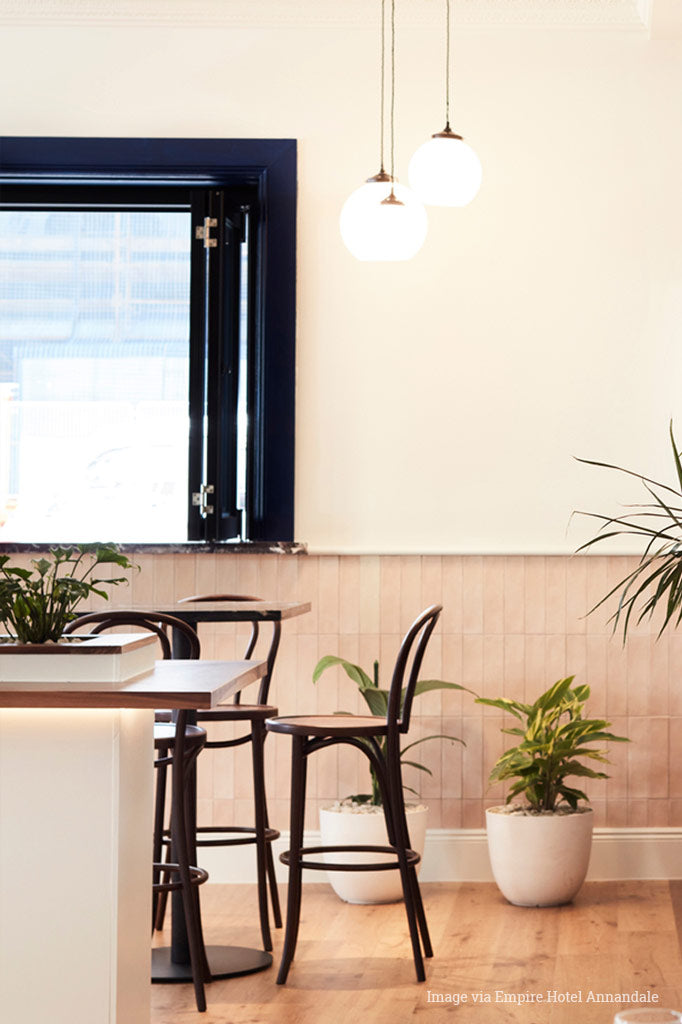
(359, 819)
(36, 604)
(657, 577)
(540, 848)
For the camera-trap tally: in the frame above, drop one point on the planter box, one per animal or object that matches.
(115, 658)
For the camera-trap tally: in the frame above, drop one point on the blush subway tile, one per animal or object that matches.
(511, 625)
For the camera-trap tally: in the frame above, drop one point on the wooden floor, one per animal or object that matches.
(354, 963)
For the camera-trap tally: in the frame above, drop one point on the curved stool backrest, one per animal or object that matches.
(230, 597)
(264, 689)
(411, 654)
(152, 622)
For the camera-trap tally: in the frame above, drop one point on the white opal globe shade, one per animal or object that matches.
(445, 172)
(372, 230)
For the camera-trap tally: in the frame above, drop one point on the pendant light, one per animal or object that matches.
(445, 171)
(382, 220)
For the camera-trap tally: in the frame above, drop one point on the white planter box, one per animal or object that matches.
(114, 658)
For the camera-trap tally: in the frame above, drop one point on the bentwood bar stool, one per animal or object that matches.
(379, 740)
(176, 745)
(252, 716)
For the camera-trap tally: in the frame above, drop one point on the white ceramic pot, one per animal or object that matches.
(539, 860)
(340, 825)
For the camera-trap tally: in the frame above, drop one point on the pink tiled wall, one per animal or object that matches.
(510, 626)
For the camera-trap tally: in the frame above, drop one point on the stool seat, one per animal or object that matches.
(237, 713)
(164, 735)
(328, 725)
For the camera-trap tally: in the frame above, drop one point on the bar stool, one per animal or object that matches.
(177, 745)
(259, 834)
(366, 733)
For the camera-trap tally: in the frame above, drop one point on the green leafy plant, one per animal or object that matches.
(657, 577)
(555, 738)
(376, 699)
(36, 604)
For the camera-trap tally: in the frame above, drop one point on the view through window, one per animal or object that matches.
(94, 368)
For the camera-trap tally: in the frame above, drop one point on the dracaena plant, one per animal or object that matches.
(555, 740)
(656, 580)
(376, 700)
(36, 604)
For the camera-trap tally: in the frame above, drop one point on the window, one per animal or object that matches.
(146, 340)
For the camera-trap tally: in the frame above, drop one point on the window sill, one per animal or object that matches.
(181, 548)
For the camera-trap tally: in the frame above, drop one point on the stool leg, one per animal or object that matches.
(200, 970)
(162, 899)
(384, 787)
(417, 896)
(159, 809)
(407, 874)
(408, 896)
(421, 916)
(272, 879)
(257, 735)
(298, 782)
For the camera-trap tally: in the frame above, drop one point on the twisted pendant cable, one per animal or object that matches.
(447, 64)
(383, 77)
(392, 90)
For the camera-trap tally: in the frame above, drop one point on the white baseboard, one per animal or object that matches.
(461, 855)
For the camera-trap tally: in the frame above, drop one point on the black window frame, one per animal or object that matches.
(268, 166)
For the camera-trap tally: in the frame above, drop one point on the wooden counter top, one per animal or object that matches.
(172, 684)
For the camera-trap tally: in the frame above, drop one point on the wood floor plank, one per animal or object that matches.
(354, 963)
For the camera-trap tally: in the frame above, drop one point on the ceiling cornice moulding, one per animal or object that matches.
(620, 14)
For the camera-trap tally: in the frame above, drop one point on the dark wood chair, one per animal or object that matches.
(379, 740)
(177, 745)
(259, 834)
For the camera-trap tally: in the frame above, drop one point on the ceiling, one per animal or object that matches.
(659, 18)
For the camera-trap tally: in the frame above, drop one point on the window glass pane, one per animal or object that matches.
(94, 365)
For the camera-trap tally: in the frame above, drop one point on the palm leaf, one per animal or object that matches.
(657, 578)
(628, 472)
(676, 457)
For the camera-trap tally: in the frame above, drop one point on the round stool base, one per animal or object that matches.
(224, 962)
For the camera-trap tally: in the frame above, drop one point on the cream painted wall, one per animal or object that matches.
(440, 401)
